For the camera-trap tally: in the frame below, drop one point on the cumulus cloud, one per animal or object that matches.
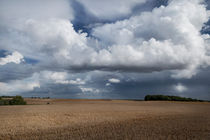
(168, 38)
(15, 57)
(61, 78)
(85, 90)
(25, 22)
(150, 41)
(156, 41)
(180, 88)
(77, 81)
(114, 80)
(108, 84)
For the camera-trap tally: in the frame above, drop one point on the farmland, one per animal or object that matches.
(105, 119)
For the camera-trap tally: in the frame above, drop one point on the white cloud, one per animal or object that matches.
(57, 76)
(180, 88)
(61, 78)
(86, 89)
(15, 57)
(114, 80)
(35, 27)
(51, 37)
(78, 81)
(157, 41)
(108, 84)
(150, 41)
(91, 90)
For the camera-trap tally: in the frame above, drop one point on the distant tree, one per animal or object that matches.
(4, 101)
(1, 101)
(46, 98)
(17, 100)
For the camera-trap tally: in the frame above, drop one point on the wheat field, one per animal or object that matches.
(51, 119)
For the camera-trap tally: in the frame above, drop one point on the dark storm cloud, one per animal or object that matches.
(54, 91)
(16, 72)
(159, 83)
(121, 68)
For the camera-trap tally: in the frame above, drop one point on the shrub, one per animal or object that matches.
(17, 100)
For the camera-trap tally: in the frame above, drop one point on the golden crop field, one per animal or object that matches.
(104, 119)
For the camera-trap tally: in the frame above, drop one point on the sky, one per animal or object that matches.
(113, 49)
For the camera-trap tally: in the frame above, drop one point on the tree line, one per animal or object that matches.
(168, 98)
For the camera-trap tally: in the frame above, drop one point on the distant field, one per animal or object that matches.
(51, 119)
